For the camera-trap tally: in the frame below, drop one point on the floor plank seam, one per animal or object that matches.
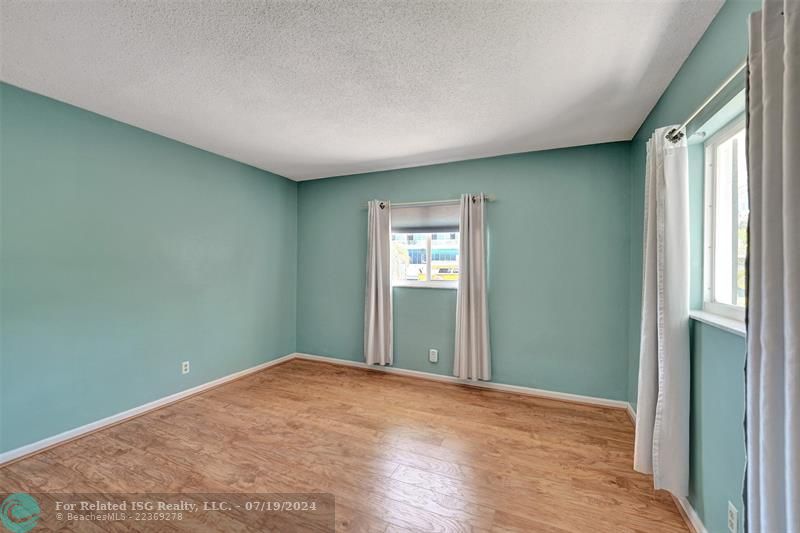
(464, 462)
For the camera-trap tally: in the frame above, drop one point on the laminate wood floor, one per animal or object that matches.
(398, 453)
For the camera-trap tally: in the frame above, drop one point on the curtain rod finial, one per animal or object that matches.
(674, 135)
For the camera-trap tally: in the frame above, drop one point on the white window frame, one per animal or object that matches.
(729, 311)
(428, 282)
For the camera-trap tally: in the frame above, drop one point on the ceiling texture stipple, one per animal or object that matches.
(311, 89)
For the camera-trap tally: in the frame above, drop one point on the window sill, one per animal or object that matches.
(737, 327)
(451, 285)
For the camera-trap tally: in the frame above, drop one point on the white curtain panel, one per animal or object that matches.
(378, 301)
(662, 410)
(472, 355)
(773, 328)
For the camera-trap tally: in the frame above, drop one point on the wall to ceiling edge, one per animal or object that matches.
(122, 254)
(120, 258)
(717, 448)
(558, 249)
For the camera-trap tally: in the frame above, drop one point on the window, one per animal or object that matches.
(726, 216)
(425, 244)
(410, 264)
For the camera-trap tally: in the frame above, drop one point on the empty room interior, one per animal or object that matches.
(400, 266)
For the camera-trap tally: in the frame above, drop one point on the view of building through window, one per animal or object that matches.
(422, 257)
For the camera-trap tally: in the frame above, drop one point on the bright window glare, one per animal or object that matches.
(723, 225)
(727, 218)
(743, 216)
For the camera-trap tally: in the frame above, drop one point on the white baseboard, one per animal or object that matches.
(564, 396)
(690, 514)
(631, 413)
(71, 434)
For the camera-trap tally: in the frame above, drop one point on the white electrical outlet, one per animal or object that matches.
(185, 367)
(733, 518)
(433, 355)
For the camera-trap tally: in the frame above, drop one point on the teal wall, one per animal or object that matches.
(424, 319)
(124, 253)
(696, 223)
(558, 239)
(720, 51)
(717, 453)
(717, 356)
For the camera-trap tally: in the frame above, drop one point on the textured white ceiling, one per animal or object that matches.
(332, 87)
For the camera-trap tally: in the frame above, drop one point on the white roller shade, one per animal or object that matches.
(423, 219)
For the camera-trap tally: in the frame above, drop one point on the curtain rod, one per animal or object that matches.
(676, 134)
(430, 203)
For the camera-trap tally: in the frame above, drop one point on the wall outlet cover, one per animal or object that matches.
(185, 367)
(433, 356)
